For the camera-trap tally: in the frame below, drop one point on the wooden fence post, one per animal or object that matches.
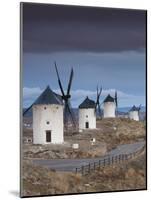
(115, 159)
(122, 157)
(119, 158)
(94, 165)
(99, 164)
(104, 162)
(108, 160)
(82, 170)
(89, 167)
(112, 159)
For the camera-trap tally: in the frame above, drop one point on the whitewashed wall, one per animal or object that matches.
(134, 115)
(83, 113)
(109, 109)
(53, 114)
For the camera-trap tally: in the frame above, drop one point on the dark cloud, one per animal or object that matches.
(51, 28)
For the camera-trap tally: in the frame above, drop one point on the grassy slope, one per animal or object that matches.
(41, 181)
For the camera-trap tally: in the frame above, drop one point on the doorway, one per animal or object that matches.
(48, 136)
(87, 125)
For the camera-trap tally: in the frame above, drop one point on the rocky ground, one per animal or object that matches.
(109, 134)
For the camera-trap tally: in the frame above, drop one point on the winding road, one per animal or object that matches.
(71, 164)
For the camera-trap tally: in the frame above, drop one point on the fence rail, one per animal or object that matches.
(107, 161)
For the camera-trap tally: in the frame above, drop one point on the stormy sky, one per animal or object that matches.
(104, 47)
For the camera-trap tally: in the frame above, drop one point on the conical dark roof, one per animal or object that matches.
(134, 108)
(109, 99)
(87, 103)
(48, 97)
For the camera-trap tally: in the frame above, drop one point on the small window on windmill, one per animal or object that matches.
(47, 122)
(45, 108)
(86, 116)
(29, 140)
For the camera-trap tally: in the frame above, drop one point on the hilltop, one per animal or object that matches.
(109, 133)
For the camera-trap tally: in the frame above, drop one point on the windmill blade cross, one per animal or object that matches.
(98, 105)
(59, 81)
(98, 95)
(97, 98)
(100, 92)
(67, 111)
(97, 90)
(70, 82)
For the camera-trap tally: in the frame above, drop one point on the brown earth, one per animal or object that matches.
(109, 134)
(129, 175)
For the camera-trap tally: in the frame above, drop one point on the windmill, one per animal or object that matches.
(98, 105)
(110, 106)
(134, 112)
(45, 125)
(68, 112)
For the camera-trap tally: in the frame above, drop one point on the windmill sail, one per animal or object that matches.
(70, 82)
(116, 98)
(116, 103)
(98, 105)
(68, 112)
(59, 81)
(139, 108)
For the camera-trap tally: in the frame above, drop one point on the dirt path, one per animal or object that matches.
(71, 164)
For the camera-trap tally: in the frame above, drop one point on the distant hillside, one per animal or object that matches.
(122, 110)
(29, 113)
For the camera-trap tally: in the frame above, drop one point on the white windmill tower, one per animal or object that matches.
(110, 106)
(134, 113)
(87, 114)
(47, 118)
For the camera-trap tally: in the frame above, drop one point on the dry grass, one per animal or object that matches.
(42, 181)
(109, 134)
(127, 176)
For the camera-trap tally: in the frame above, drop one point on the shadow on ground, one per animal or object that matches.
(14, 193)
